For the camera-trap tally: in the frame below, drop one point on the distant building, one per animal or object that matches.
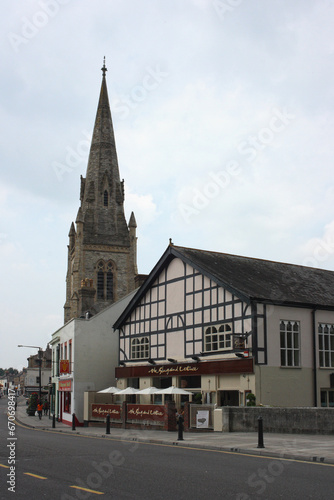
(33, 381)
(225, 326)
(102, 250)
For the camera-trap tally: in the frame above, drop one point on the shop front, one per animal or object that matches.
(65, 389)
(224, 382)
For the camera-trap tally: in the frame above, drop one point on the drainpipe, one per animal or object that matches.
(315, 381)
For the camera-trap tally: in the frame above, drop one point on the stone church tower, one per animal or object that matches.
(102, 250)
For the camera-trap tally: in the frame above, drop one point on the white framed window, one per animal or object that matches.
(326, 345)
(290, 343)
(218, 338)
(140, 348)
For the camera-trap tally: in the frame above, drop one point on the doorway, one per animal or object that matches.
(229, 398)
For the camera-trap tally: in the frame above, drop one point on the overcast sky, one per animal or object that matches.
(223, 117)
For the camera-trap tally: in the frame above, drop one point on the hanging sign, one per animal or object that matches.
(64, 366)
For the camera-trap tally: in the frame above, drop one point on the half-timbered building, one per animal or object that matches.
(224, 326)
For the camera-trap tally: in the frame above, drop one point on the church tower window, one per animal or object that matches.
(100, 280)
(110, 281)
(105, 198)
(105, 280)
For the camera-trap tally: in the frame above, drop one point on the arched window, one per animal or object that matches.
(110, 281)
(100, 280)
(105, 198)
(218, 340)
(105, 280)
(140, 348)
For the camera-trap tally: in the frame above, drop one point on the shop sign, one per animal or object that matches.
(145, 412)
(65, 385)
(206, 367)
(102, 410)
(168, 370)
(64, 366)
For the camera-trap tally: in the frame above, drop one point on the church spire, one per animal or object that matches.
(103, 193)
(102, 250)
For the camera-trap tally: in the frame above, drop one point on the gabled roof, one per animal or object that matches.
(252, 280)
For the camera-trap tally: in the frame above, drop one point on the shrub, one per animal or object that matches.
(251, 399)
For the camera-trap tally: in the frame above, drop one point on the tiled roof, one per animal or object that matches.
(250, 279)
(264, 279)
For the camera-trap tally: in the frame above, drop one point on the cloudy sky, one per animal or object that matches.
(224, 124)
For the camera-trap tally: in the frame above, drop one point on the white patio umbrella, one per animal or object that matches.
(173, 390)
(148, 390)
(128, 390)
(109, 390)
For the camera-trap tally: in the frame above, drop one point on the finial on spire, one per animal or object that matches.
(104, 69)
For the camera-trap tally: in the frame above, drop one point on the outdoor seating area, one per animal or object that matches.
(130, 407)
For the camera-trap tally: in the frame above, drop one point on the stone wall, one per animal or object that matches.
(284, 420)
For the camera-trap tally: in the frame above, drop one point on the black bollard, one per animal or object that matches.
(108, 425)
(54, 421)
(73, 421)
(180, 428)
(260, 433)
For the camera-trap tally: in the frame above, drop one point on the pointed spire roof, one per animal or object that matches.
(132, 221)
(72, 230)
(102, 192)
(103, 154)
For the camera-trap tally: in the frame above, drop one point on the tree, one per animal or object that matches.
(12, 371)
(32, 406)
(8, 371)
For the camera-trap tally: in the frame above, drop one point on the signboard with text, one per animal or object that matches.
(102, 410)
(65, 385)
(145, 412)
(180, 369)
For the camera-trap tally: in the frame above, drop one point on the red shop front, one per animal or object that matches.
(65, 401)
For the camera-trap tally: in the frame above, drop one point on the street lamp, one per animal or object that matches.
(39, 365)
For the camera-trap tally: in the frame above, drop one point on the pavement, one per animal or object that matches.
(305, 447)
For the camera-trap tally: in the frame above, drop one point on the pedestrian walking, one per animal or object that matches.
(46, 407)
(40, 410)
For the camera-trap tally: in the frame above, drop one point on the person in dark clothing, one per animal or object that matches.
(46, 407)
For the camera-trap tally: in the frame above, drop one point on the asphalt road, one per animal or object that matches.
(64, 466)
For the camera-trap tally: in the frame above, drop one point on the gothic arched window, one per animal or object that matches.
(100, 280)
(110, 281)
(105, 280)
(105, 198)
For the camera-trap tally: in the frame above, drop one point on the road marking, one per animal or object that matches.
(5, 466)
(34, 475)
(86, 489)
